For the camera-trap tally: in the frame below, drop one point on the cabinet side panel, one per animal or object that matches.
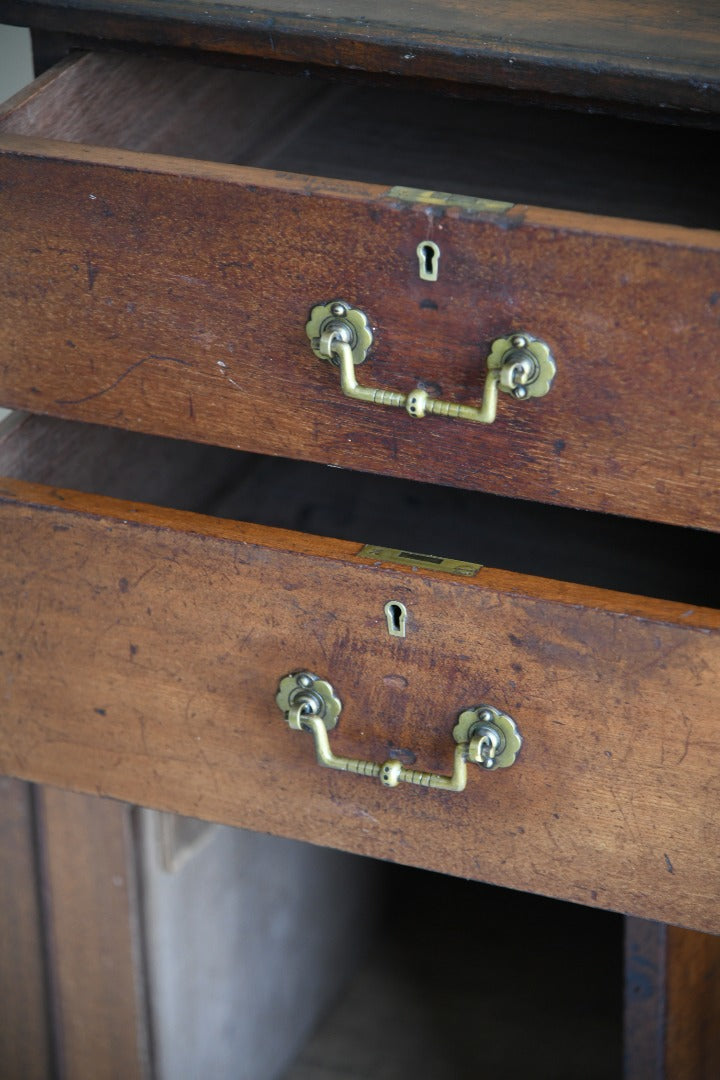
(94, 947)
(693, 1005)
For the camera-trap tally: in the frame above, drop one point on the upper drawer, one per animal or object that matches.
(141, 650)
(171, 295)
(621, 52)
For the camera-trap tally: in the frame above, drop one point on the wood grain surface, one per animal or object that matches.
(171, 296)
(640, 51)
(141, 651)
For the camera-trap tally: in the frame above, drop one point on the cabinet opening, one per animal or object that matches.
(514, 153)
(367, 970)
(587, 548)
(463, 979)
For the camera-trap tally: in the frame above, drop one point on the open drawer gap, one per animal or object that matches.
(520, 154)
(527, 538)
(370, 970)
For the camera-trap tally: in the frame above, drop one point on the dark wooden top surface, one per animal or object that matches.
(643, 52)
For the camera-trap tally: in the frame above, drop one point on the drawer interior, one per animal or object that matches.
(307, 125)
(593, 549)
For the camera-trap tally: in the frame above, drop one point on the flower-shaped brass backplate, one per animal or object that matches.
(470, 721)
(348, 321)
(304, 687)
(509, 353)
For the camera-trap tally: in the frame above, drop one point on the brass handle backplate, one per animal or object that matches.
(518, 364)
(482, 734)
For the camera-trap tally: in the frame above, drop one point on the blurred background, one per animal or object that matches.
(15, 72)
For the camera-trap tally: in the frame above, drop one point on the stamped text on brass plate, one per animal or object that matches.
(412, 558)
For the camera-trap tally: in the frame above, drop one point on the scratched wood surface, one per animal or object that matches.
(649, 52)
(171, 296)
(142, 648)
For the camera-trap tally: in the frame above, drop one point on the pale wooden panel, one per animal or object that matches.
(25, 1036)
(145, 649)
(93, 934)
(249, 941)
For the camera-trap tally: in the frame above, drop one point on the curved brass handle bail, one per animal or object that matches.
(483, 734)
(519, 364)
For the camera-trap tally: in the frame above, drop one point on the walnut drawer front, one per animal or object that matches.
(141, 649)
(148, 288)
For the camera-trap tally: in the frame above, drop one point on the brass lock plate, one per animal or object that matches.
(412, 558)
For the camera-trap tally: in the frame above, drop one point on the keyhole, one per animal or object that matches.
(428, 254)
(396, 614)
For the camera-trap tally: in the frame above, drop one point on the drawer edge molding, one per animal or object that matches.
(505, 215)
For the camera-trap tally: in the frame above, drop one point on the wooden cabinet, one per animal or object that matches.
(169, 222)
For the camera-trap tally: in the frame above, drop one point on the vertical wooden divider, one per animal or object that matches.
(94, 940)
(25, 1037)
(672, 1003)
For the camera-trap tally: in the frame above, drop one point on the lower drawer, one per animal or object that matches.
(142, 648)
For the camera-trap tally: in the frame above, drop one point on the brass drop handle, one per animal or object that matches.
(519, 364)
(483, 734)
